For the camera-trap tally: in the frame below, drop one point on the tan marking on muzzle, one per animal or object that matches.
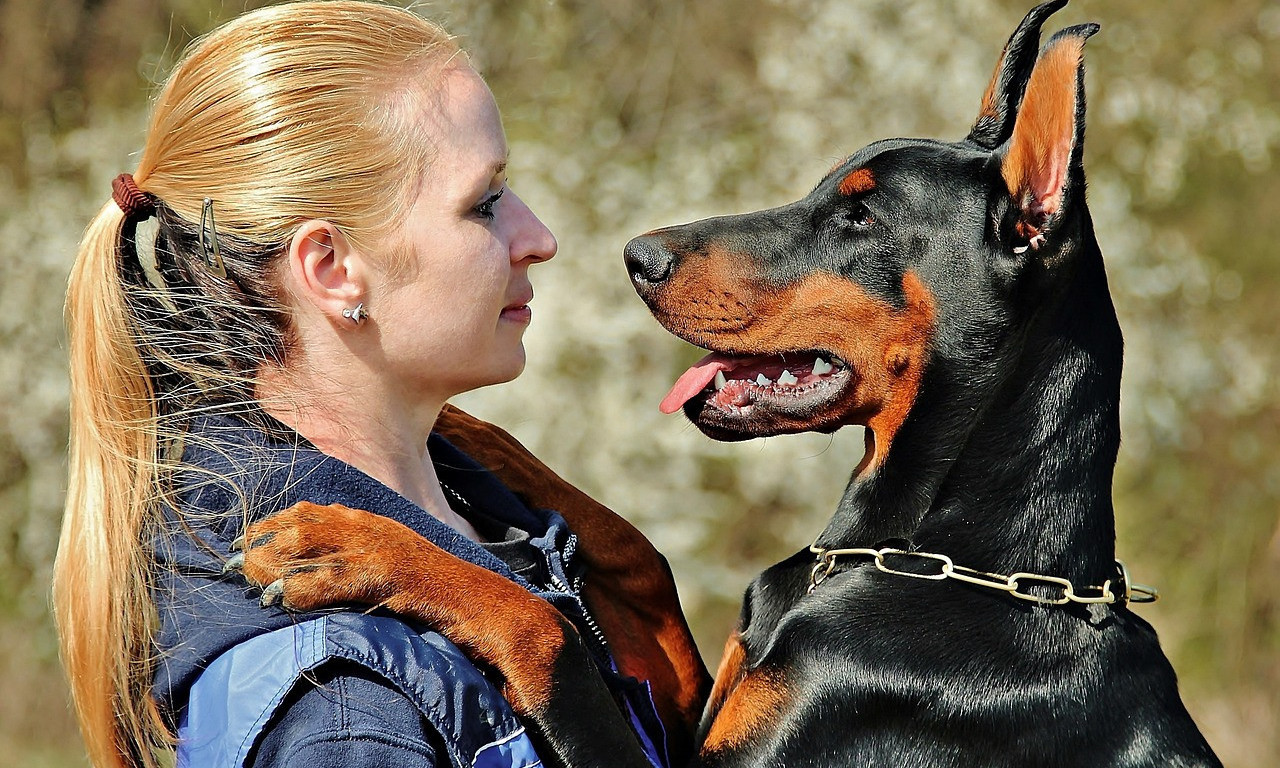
(886, 347)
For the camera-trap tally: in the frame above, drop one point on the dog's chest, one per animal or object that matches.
(771, 597)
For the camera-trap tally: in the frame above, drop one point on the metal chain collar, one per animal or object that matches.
(1014, 585)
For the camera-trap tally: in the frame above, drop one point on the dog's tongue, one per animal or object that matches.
(694, 381)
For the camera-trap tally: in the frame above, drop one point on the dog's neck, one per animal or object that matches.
(1026, 486)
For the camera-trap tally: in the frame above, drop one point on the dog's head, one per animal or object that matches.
(830, 310)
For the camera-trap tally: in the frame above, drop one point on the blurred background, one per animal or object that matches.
(625, 115)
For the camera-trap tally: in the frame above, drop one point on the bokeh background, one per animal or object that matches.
(625, 115)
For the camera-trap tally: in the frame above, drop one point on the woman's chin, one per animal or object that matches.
(470, 373)
(507, 368)
(516, 368)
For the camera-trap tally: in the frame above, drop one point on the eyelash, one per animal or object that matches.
(485, 209)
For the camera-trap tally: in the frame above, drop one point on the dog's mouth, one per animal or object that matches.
(733, 397)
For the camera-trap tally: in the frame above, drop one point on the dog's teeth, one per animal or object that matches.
(762, 380)
(720, 380)
(787, 379)
(822, 367)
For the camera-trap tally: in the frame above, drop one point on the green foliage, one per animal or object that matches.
(626, 115)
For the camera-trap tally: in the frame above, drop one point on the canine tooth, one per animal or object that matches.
(787, 378)
(720, 380)
(762, 380)
(822, 367)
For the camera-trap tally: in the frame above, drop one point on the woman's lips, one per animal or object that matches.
(521, 314)
(518, 310)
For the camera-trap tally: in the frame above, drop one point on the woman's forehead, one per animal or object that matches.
(464, 122)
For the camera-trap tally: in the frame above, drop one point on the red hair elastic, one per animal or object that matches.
(136, 204)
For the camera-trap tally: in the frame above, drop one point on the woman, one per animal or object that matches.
(336, 253)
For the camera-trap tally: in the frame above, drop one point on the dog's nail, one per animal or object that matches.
(238, 544)
(272, 593)
(234, 564)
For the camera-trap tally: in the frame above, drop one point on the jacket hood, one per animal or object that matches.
(232, 474)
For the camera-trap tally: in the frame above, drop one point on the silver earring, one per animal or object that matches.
(357, 314)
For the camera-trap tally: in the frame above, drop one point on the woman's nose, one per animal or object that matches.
(535, 242)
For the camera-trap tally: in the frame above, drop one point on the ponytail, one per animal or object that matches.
(101, 575)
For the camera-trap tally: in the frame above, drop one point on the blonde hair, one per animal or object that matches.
(285, 114)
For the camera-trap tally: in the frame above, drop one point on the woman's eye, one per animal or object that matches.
(485, 209)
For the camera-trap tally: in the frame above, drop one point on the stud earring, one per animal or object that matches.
(357, 314)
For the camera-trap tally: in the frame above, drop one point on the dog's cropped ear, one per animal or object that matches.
(1038, 164)
(1000, 102)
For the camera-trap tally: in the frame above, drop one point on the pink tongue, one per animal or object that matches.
(694, 381)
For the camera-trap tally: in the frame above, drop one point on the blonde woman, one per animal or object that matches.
(317, 250)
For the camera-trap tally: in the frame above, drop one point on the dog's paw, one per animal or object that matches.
(310, 556)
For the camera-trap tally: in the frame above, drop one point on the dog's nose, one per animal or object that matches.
(647, 260)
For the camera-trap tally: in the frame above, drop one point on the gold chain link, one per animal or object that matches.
(1015, 584)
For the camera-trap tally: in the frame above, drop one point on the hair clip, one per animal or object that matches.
(209, 249)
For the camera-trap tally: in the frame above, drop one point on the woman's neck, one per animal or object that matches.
(375, 431)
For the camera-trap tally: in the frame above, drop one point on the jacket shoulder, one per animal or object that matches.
(345, 714)
(241, 693)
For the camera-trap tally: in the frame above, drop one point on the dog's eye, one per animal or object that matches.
(860, 216)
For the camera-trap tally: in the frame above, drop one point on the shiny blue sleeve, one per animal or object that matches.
(348, 716)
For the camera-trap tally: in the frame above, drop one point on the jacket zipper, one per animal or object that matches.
(602, 644)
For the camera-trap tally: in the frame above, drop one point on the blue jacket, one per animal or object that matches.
(246, 685)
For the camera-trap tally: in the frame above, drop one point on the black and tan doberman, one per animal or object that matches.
(964, 606)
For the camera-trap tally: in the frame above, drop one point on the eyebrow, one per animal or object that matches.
(857, 181)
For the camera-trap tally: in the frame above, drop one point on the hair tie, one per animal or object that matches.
(136, 204)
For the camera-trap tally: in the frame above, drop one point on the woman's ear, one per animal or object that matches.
(325, 270)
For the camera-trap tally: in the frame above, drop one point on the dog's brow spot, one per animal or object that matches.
(858, 181)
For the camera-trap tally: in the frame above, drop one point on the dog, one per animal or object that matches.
(964, 606)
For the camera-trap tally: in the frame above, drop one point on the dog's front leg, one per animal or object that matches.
(311, 556)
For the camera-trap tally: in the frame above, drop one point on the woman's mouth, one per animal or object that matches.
(521, 314)
(518, 311)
